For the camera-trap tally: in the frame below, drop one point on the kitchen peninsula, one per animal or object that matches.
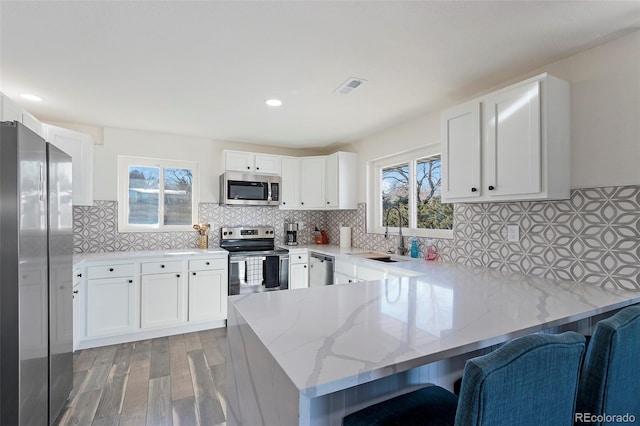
(313, 355)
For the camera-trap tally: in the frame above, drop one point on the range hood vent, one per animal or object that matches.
(350, 85)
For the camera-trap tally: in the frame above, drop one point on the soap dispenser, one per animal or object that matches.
(415, 252)
(431, 253)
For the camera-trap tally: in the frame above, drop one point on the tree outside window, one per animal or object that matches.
(156, 194)
(423, 179)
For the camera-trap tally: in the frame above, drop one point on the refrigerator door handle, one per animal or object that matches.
(41, 183)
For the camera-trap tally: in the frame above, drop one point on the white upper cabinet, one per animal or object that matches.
(341, 171)
(290, 183)
(32, 123)
(312, 182)
(461, 151)
(10, 111)
(249, 162)
(80, 147)
(510, 145)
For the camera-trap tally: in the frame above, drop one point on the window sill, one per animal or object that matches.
(446, 234)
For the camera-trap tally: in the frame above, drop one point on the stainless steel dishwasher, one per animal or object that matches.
(320, 269)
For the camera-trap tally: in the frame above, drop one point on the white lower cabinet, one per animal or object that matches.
(339, 278)
(162, 300)
(298, 269)
(111, 305)
(369, 274)
(299, 276)
(144, 298)
(207, 290)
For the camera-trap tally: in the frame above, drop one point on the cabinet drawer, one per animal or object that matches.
(207, 264)
(161, 267)
(111, 271)
(345, 268)
(295, 259)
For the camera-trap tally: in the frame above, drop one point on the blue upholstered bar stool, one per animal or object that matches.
(610, 379)
(532, 380)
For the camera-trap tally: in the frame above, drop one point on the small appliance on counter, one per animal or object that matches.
(291, 233)
(321, 237)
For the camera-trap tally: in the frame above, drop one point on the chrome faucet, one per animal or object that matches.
(402, 250)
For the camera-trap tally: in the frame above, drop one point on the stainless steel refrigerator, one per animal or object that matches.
(36, 249)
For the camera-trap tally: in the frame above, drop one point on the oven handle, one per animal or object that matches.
(244, 257)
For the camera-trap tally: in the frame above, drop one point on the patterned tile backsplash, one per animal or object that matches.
(594, 237)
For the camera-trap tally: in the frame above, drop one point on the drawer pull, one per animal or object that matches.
(193, 273)
(207, 263)
(178, 275)
(162, 266)
(130, 281)
(110, 269)
(75, 291)
(305, 266)
(79, 275)
(491, 188)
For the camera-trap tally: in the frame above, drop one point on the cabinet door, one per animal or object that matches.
(239, 161)
(513, 162)
(32, 123)
(162, 300)
(298, 276)
(331, 181)
(461, 152)
(290, 178)
(312, 176)
(111, 306)
(268, 164)
(76, 316)
(9, 111)
(207, 295)
(80, 147)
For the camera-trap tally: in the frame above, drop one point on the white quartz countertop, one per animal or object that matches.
(117, 256)
(331, 338)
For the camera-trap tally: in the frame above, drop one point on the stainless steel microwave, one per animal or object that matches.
(249, 190)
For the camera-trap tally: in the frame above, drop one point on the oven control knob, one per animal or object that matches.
(224, 233)
(230, 232)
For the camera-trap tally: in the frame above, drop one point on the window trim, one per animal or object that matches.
(374, 200)
(124, 161)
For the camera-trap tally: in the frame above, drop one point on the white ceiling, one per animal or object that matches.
(205, 68)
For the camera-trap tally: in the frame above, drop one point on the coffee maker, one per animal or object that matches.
(291, 233)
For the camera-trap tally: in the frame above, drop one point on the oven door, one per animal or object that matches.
(255, 274)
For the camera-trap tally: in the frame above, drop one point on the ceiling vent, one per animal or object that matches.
(350, 85)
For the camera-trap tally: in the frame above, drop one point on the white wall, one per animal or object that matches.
(157, 145)
(605, 114)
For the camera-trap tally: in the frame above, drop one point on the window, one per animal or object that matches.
(407, 189)
(156, 195)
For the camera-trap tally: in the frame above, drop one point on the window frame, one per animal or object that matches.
(124, 162)
(374, 192)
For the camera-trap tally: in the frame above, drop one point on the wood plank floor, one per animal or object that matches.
(177, 380)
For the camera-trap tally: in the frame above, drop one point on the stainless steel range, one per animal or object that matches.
(255, 264)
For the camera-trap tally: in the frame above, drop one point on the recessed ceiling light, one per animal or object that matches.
(32, 98)
(274, 102)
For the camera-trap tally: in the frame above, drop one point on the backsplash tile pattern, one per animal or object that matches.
(594, 237)
(96, 227)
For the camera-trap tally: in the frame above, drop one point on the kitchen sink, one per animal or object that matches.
(380, 257)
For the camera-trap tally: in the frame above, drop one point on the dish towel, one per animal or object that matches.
(271, 271)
